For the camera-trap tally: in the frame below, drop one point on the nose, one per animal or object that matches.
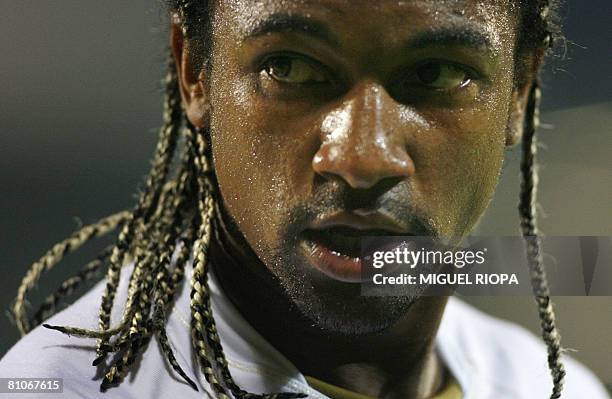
(363, 139)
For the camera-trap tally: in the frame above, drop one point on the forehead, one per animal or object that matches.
(376, 21)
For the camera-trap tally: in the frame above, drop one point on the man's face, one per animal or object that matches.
(332, 120)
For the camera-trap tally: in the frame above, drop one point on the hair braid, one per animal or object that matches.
(88, 272)
(136, 278)
(159, 314)
(146, 204)
(168, 282)
(140, 332)
(54, 256)
(543, 34)
(154, 269)
(198, 281)
(156, 277)
(154, 240)
(204, 328)
(147, 253)
(527, 210)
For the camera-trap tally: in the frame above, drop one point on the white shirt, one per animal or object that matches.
(490, 358)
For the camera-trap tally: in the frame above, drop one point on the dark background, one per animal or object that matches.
(80, 103)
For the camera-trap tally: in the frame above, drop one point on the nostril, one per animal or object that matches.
(401, 164)
(362, 169)
(320, 159)
(327, 156)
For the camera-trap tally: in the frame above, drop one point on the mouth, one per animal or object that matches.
(334, 246)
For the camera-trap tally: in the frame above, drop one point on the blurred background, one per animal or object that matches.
(80, 103)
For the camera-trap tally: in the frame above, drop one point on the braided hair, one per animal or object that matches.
(177, 213)
(545, 29)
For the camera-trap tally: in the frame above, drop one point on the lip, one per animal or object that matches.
(360, 220)
(331, 262)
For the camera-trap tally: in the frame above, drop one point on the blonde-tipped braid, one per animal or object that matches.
(527, 212)
(148, 200)
(198, 281)
(87, 273)
(154, 287)
(54, 256)
(91, 268)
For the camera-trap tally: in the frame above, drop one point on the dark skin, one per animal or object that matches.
(316, 108)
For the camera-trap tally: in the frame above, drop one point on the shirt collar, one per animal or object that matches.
(250, 356)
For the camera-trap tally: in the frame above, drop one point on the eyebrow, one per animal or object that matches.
(283, 22)
(463, 36)
(459, 36)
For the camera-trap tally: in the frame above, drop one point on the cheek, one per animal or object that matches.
(458, 167)
(246, 180)
(262, 164)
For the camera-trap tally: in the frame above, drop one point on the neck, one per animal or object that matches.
(400, 362)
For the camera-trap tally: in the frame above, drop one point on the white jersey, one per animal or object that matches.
(490, 358)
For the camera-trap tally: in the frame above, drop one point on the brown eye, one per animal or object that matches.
(293, 70)
(442, 76)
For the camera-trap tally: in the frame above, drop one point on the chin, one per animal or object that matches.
(363, 317)
(338, 308)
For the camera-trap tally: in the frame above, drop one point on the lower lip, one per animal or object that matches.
(333, 264)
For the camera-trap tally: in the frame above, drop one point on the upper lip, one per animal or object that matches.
(360, 220)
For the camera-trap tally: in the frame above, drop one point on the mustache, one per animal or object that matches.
(394, 200)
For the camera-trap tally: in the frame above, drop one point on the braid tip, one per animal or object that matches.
(98, 360)
(291, 395)
(192, 384)
(282, 395)
(106, 384)
(56, 328)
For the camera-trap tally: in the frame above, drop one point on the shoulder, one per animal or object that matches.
(51, 354)
(507, 356)
(45, 353)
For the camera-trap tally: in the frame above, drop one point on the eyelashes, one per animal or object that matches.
(293, 70)
(292, 75)
(439, 75)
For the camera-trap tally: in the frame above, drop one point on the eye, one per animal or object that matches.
(293, 70)
(442, 76)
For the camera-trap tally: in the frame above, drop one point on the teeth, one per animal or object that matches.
(347, 242)
(344, 240)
